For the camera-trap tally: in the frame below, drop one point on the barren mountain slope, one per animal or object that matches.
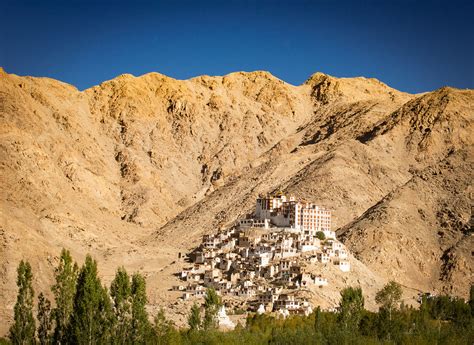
(138, 168)
(421, 233)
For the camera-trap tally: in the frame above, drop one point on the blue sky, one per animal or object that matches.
(414, 46)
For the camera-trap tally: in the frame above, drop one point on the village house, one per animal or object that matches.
(267, 297)
(271, 271)
(308, 246)
(210, 242)
(341, 254)
(344, 265)
(254, 223)
(287, 302)
(194, 290)
(323, 257)
(310, 279)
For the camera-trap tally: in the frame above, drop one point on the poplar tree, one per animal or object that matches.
(389, 297)
(91, 318)
(23, 329)
(140, 323)
(44, 319)
(64, 290)
(120, 291)
(164, 330)
(317, 319)
(351, 307)
(194, 319)
(212, 303)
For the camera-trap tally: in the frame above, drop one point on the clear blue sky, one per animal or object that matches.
(413, 46)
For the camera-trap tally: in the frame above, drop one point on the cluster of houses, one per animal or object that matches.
(264, 258)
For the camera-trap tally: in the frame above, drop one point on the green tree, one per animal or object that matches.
(461, 313)
(44, 319)
(317, 319)
(140, 323)
(320, 235)
(318, 325)
(368, 324)
(164, 330)
(440, 307)
(23, 329)
(212, 303)
(91, 317)
(351, 307)
(106, 316)
(64, 290)
(389, 297)
(194, 319)
(121, 291)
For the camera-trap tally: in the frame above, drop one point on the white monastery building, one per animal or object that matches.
(289, 213)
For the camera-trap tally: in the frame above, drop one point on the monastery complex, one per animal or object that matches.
(263, 258)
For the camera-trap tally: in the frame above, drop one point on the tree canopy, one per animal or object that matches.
(23, 329)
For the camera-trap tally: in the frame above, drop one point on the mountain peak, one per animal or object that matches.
(326, 88)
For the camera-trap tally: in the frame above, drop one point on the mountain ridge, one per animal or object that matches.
(124, 76)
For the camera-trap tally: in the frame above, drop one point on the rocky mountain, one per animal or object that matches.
(137, 169)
